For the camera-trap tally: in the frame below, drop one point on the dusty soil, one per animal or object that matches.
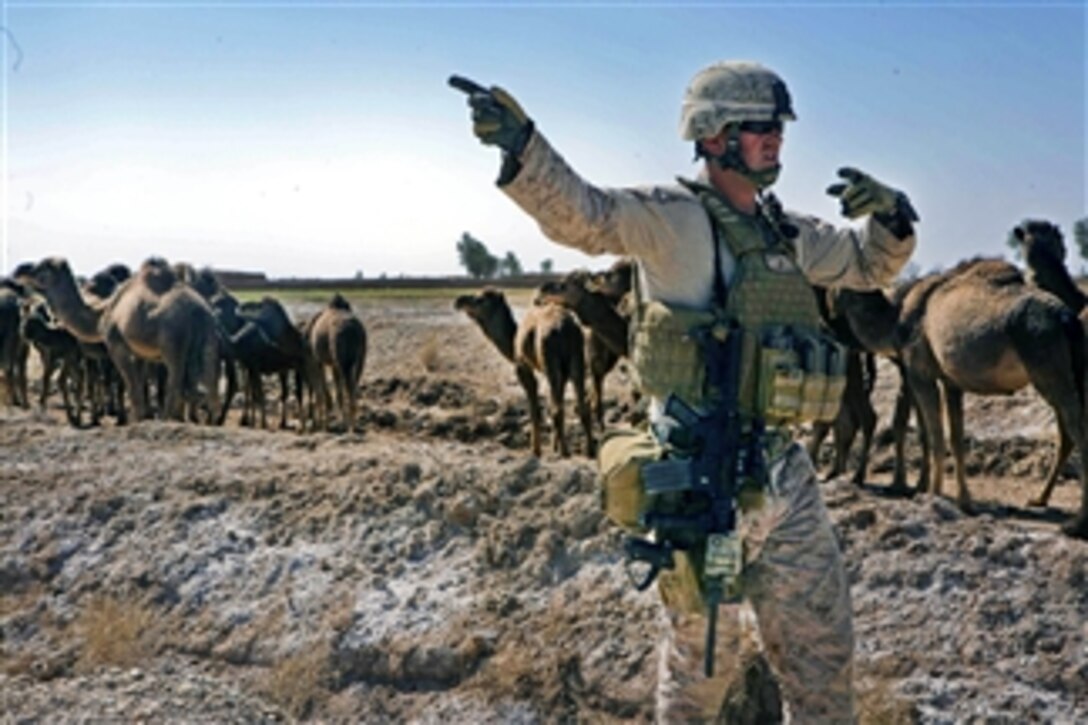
(428, 569)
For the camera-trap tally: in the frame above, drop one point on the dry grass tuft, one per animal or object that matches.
(430, 354)
(878, 704)
(114, 632)
(300, 683)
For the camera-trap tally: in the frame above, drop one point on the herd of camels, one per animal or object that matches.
(178, 330)
(982, 327)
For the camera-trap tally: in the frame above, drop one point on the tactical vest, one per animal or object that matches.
(791, 371)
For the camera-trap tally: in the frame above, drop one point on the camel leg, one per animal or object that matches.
(92, 388)
(585, 414)
(48, 363)
(557, 385)
(868, 427)
(326, 401)
(284, 392)
(172, 405)
(927, 396)
(597, 391)
(71, 373)
(340, 386)
(131, 373)
(1065, 447)
(845, 428)
(904, 402)
(353, 405)
(820, 430)
(527, 378)
(256, 385)
(211, 383)
(1063, 389)
(953, 401)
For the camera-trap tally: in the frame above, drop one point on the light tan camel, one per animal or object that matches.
(336, 339)
(980, 328)
(548, 340)
(150, 317)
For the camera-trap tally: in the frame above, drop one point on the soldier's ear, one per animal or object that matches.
(713, 146)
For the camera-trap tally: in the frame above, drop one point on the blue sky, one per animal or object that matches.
(322, 140)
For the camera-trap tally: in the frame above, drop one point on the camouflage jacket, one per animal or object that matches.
(667, 229)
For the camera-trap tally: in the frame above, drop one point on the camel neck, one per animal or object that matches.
(501, 330)
(74, 313)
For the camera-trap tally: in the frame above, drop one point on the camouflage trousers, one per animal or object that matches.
(796, 586)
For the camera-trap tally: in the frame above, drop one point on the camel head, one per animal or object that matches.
(339, 303)
(50, 274)
(205, 283)
(490, 304)
(1040, 240)
(566, 292)
(614, 282)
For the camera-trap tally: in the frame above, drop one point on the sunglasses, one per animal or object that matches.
(761, 127)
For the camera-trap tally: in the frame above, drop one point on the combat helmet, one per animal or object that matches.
(727, 94)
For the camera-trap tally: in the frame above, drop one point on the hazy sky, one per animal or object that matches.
(320, 139)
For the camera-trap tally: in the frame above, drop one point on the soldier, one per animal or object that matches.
(719, 253)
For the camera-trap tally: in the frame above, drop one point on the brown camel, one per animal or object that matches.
(980, 328)
(1044, 252)
(13, 347)
(336, 339)
(548, 340)
(150, 317)
(57, 348)
(606, 325)
(856, 412)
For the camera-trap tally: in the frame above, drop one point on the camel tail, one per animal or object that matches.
(350, 352)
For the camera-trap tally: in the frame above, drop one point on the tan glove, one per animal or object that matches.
(862, 194)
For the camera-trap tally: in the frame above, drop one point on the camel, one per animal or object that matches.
(13, 347)
(856, 412)
(1044, 252)
(606, 338)
(57, 348)
(336, 339)
(268, 342)
(980, 328)
(149, 317)
(548, 340)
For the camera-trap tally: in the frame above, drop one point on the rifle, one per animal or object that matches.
(711, 460)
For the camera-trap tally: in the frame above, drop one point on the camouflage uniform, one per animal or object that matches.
(794, 577)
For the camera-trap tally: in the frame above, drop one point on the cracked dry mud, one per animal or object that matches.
(428, 569)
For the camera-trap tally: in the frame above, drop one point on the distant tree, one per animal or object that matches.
(546, 266)
(1080, 236)
(510, 266)
(475, 257)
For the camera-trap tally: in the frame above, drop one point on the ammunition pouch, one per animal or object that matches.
(622, 455)
(801, 377)
(666, 357)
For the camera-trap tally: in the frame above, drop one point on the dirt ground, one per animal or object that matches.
(429, 569)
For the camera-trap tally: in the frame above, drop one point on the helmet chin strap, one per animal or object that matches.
(733, 160)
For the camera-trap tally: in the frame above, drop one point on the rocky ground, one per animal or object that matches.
(428, 569)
